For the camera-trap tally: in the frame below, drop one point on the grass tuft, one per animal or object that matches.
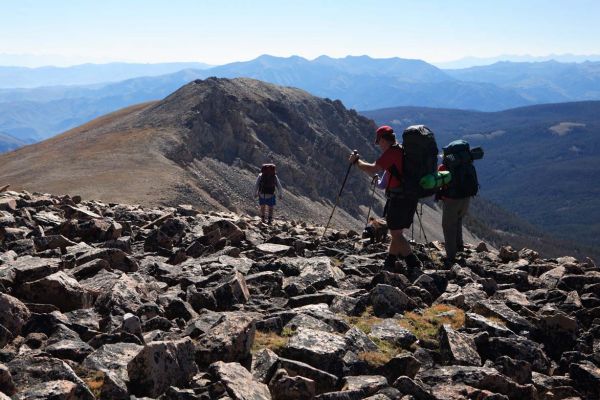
(95, 381)
(270, 340)
(365, 321)
(425, 326)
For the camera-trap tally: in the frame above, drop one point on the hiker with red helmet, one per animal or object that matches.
(266, 183)
(399, 210)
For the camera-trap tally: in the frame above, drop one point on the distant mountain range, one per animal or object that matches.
(8, 142)
(37, 114)
(468, 62)
(540, 82)
(86, 74)
(540, 162)
(361, 83)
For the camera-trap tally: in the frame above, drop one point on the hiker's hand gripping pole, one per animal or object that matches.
(355, 152)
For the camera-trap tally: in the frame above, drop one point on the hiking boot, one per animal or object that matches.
(390, 263)
(449, 262)
(414, 266)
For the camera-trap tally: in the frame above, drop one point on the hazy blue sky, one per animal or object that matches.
(222, 31)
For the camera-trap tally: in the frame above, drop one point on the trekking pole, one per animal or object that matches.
(423, 232)
(339, 195)
(374, 184)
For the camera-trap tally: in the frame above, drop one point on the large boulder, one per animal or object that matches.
(30, 372)
(587, 378)
(477, 377)
(363, 386)
(6, 382)
(116, 258)
(403, 364)
(499, 309)
(314, 273)
(14, 313)
(75, 350)
(239, 383)
(390, 330)
(28, 268)
(388, 300)
(112, 360)
(58, 289)
(519, 348)
(285, 387)
(458, 348)
(168, 234)
(229, 340)
(476, 321)
(55, 390)
(160, 365)
(126, 293)
(264, 365)
(324, 381)
(320, 349)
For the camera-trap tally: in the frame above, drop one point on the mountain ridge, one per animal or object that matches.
(360, 82)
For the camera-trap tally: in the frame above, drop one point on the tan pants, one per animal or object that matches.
(454, 211)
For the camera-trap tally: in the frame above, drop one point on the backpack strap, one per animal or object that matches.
(393, 170)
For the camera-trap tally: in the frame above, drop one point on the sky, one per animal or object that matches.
(218, 32)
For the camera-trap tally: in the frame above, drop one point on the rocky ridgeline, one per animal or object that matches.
(114, 301)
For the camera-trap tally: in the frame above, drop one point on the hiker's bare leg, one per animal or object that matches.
(270, 219)
(399, 245)
(262, 212)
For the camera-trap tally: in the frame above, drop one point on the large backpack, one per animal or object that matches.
(267, 179)
(420, 159)
(458, 159)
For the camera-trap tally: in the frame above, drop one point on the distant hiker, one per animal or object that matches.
(458, 159)
(399, 209)
(266, 183)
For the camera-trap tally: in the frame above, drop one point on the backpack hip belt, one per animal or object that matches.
(395, 193)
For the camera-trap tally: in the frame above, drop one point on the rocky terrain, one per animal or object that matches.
(115, 301)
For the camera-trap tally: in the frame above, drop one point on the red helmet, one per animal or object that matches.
(382, 130)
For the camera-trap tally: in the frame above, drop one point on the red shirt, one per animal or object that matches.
(392, 156)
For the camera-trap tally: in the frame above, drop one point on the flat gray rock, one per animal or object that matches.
(239, 382)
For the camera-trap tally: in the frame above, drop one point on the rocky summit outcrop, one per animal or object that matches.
(204, 145)
(116, 301)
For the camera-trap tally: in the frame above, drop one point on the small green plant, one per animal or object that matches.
(268, 340)
(288, 332)
(496, 320)
(425, 326)
(336, 262)
(365, 321)
(95, 381)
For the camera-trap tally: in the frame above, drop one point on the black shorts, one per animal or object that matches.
(399, 212)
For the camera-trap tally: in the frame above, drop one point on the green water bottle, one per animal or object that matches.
(435, 180)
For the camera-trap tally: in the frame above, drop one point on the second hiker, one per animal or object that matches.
(399, 209)
(458, 159)
(266, 183)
